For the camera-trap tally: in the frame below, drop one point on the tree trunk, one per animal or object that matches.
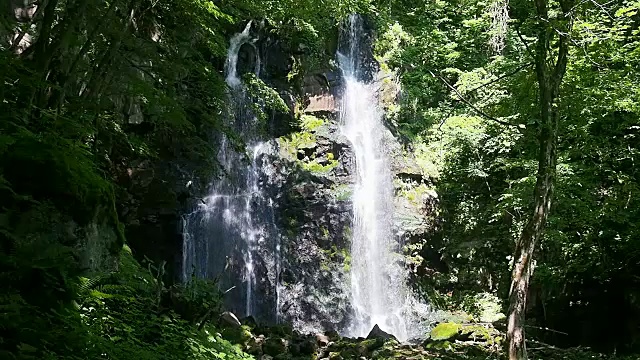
(549, 80)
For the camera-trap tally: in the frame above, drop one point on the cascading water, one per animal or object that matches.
(378, 285)
(232, 234)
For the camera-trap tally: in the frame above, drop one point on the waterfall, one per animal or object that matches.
(232, 235)
(378, 284)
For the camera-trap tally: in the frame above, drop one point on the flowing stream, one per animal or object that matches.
(378, 285)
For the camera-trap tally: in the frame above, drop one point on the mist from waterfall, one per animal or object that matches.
(379, 294)
(232, 234)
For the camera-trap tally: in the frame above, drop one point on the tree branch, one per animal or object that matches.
(517, 70)
(17, 40)
(464, 100)
(526, 45)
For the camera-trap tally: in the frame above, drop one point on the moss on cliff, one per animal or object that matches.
(300, 147)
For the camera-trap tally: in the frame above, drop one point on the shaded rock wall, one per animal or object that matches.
(315, 215)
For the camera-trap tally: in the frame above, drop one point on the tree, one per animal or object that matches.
(549, 75)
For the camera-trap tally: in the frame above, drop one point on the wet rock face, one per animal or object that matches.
(307, 170)
(311, 184)
(320, 92)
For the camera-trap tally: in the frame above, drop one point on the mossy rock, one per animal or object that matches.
(284, 357)
(307, 347)
(372, 344)
(440, 345)
(237, 335)
(445, 331)
(387, 351)
(275, 346)
(481, 333)
(282, 330)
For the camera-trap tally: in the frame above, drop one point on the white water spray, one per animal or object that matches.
(231, 66)
(225, 234)
(380, 294)
(499, 11)
(377, 281)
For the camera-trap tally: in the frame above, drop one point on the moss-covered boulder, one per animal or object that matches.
(275, 346)
(481, 333)
(308, 346)
(445, 331)
(284, 330)
(238, 335)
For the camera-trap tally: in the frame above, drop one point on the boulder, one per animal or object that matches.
(318, 91)
(321, 103)
(333, 335)
(322, 340)
(308, 347)
(377, 333)
(237, 334)
(275, 346)
(228, 319)
(445, 331)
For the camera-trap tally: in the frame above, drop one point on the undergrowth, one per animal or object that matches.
(48, 311)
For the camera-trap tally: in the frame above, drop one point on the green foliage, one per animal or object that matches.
(315, 166)
(310, 123)
(342, 192)
(295, 143)
(263, 97)
(485, 171)
(118, 316)
(339, 256)
(128, 311)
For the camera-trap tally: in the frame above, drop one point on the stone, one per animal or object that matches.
(445, 331)
(321, 103)
(322, 340)
(237, 335)
(370, 345)
(266, 357)
(317, 89)
(308, 347)
(332, 335)
(275, 346)
(376, 332)
(229, 319)
(254, 345)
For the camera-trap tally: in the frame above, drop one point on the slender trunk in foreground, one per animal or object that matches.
(549, 80)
